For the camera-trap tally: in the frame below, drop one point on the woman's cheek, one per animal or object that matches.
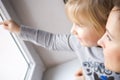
(112, 57)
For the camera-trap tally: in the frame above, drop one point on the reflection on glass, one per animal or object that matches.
(13, 65)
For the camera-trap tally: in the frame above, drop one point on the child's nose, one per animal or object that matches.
(73, 30)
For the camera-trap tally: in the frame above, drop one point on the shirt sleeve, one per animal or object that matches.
(59, 42)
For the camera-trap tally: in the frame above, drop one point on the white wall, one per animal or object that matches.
(47, 15)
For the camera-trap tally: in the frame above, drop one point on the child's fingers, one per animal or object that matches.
(1, 23)
(5, 26)
(79, 73)
(5, 23)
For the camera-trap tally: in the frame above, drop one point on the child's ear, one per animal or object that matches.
(65, 1)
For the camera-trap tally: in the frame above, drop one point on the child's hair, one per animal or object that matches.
(95, 12)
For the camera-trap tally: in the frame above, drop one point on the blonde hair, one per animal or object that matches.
(95, 11)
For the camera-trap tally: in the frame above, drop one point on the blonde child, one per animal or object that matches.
(111, 40)
(89, 19)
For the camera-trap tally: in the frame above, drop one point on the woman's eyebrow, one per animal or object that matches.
(109, 33)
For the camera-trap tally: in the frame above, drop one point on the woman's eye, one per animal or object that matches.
(108, 37)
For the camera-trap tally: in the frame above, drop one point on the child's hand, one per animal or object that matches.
(79, 75)
(11, 26)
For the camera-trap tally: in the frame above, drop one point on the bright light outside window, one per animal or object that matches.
(13, 65)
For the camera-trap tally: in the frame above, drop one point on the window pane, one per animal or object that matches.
(13, 65)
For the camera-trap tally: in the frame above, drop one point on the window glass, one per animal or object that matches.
(13, 65)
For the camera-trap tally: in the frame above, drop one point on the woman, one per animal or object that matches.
(111, 39)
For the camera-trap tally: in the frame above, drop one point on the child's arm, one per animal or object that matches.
(59, 42)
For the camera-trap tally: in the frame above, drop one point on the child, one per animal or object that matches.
(89, 19)
(111, 40)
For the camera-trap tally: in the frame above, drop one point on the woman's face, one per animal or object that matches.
(85, 34)
(111, 42)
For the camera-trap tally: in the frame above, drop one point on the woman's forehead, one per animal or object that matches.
(113, 24)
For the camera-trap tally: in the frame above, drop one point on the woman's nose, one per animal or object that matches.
(101, 42)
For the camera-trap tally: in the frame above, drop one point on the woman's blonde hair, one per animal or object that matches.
(94, 11)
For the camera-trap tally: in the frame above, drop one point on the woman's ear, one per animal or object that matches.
(65, 1)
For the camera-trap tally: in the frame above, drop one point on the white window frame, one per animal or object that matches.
(36, 67)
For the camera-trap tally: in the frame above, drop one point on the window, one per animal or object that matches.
(14, 65)
(19, 60)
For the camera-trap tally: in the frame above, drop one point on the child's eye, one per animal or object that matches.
(108, 38)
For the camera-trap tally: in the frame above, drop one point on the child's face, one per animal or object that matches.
(111, 42)
(85, 34)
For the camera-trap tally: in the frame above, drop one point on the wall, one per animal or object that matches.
(48, 15)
